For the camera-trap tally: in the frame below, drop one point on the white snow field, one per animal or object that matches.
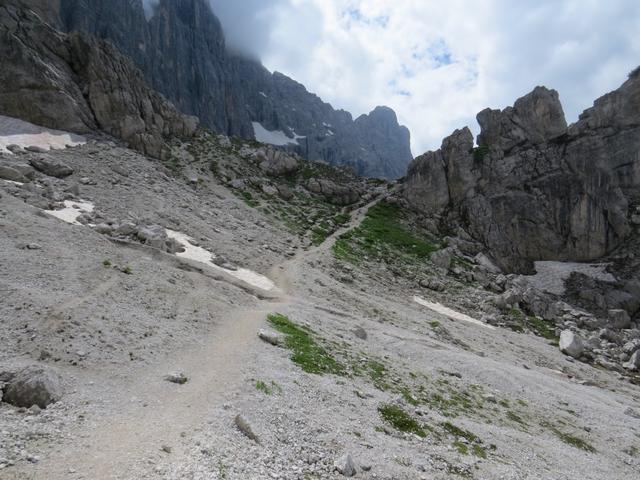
(199, 254)
(276, 137)
(14, 131)
(71, 211)
(452, 314)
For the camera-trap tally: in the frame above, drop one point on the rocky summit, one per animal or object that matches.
(197, 281)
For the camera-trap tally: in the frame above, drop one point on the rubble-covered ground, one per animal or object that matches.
(158, 370)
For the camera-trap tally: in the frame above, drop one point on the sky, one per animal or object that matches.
(438, 63)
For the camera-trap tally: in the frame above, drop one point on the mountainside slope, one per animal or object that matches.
(181, 49)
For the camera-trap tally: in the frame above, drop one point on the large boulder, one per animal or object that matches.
(334, 193)
(33, 386)
(571, 344)
(276, 162)
(9, 173)
(51, 166)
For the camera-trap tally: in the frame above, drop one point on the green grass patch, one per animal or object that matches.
(106, 263)
(382, 236)
(571, 439)
(514, 417)
(401, 420)
(268, 388)
(307, 353)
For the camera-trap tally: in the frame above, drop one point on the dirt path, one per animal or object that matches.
(112, 447)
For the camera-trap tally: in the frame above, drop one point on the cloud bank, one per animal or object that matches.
(439, 63)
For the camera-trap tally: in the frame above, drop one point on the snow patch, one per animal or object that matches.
(276, 137)
(71, 211)
(201, 255)
(264, 94)
(19, 184)
(14, 131)
(551, 276)
(452, 314)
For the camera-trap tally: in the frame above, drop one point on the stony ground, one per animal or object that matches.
(360, 369)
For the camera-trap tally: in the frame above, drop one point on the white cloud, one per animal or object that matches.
(439, 63)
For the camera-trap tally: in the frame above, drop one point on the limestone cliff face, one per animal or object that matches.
(181, 50)
(536, 189)
(75, 83)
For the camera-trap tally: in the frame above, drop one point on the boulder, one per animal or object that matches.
(245, 428)
(33, 386)
(276, 162)
(345, 466)
(334, 193)
(271, 337)
(571, 344)
(9, 173)
(51, 166)
(177, 378)
(619, 319)
(442, 258)
(634, 362)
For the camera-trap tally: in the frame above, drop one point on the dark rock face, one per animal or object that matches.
(535, 189)
(75, 83)
(181, 50)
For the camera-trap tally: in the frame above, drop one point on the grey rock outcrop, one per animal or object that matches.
(276, 162)
(182, 51)
(334, 193)
(75, 83)
(535, 189)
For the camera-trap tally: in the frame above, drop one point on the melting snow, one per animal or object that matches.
(71, 211)
(452, 314)
(12, 182)
(551, 276)
(199, 254)
(14, 131)
(277, 137)
(263, 94)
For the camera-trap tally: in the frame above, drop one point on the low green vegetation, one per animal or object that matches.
(307, 353)
(472, 440)
(127, 270)
(268, 388)
(382, 237)
(106, 263)
(519, 322)
(570, 439)
(401, 420)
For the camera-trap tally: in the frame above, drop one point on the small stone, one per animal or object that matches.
(243, 425)
(177, 378)
(166, 449)
(270, 337)
(360, 333)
